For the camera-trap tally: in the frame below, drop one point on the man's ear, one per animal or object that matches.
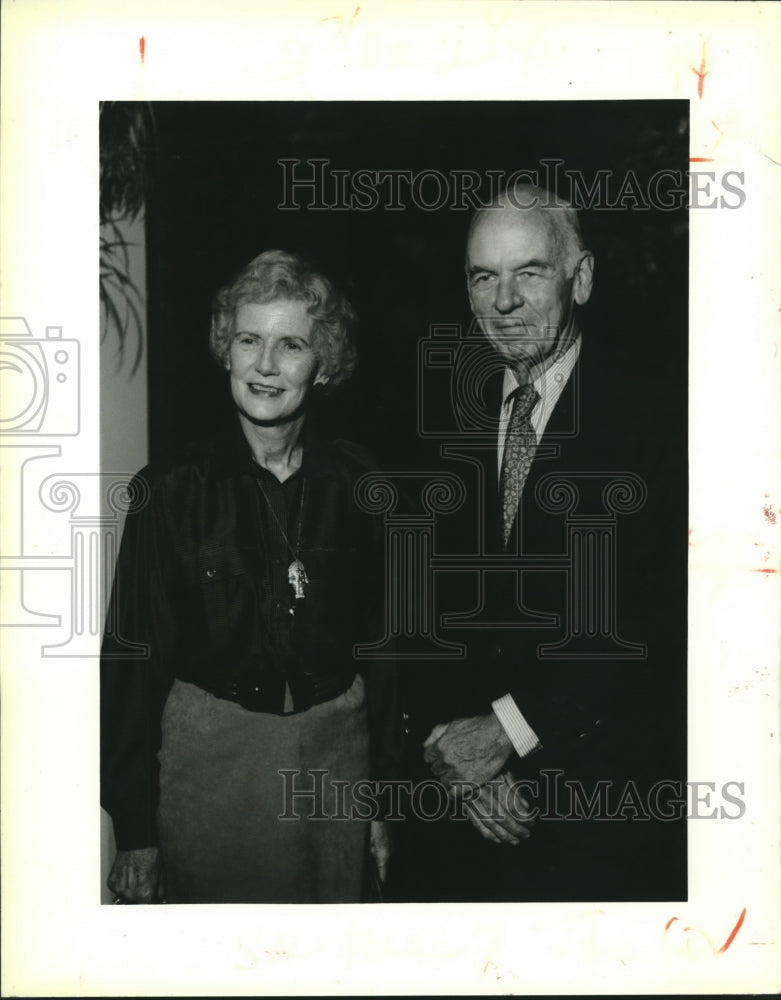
(583, 280)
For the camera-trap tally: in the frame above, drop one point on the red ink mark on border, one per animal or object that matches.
(735, 930)
(141, 47)
(691, 530)
(701, 73)
(698, 930)
(770, 514)
(702, 159)
(716, 951)
(768, 570)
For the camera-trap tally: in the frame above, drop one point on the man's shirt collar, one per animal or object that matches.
(549, 384)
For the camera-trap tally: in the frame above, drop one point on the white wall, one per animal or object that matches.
(123, 428)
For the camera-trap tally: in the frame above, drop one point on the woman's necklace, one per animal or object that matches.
(296, 573)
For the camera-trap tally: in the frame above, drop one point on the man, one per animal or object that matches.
(530, 707)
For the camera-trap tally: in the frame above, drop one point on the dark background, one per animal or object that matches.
(214, 183)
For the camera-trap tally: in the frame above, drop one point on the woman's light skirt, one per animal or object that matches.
(259, 808)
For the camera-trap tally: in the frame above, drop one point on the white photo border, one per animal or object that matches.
(58, 62)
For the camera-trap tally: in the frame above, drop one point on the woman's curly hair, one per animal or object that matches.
(274, 275)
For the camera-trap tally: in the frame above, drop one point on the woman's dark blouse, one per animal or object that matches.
(201, 594)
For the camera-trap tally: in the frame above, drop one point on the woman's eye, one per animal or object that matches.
(293, 345)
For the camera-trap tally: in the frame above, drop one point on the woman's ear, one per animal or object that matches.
(321, 379)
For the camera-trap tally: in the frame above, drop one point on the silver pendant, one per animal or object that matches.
(296, 577)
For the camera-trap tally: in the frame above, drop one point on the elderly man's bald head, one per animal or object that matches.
(527, 199)
(527, 270)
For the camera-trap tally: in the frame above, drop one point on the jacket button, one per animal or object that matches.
(496, 649)
(210, 573)
(405, 716)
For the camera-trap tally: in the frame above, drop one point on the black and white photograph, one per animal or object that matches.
(377, 627)
(390, 483)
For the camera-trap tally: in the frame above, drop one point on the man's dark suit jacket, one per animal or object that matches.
(615, 714)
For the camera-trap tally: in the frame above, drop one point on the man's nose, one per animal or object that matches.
(508, 295)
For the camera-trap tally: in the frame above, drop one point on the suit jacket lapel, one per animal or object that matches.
(493, 507)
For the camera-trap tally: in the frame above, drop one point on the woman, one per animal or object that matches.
(235, 725)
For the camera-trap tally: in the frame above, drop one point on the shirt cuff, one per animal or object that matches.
(518, 730)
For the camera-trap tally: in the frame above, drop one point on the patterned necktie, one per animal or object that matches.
(519, 446)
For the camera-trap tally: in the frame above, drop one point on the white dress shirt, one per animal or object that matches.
(550, 385)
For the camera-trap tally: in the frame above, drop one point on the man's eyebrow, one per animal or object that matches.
(540, 265)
